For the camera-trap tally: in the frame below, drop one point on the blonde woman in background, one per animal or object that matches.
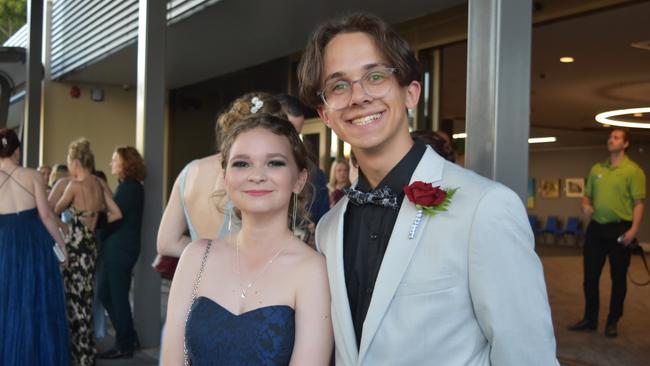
(58, 171)
(339, 179)
(58, 180)
(45, 171)
(85, 196)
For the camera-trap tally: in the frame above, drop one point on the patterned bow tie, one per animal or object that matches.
(380, 197)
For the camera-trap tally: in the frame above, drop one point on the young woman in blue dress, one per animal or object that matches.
(259, 295)
(33, 324)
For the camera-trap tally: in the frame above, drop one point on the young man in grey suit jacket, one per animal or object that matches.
(413, 284)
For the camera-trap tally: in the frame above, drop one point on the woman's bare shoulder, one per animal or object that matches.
(61, 183)
(210, 159)
(209, 165)
(198, 247)
(308, 259)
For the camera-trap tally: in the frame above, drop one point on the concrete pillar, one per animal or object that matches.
(150, 110)
(435, 89)
(498, 90)
(32, 124)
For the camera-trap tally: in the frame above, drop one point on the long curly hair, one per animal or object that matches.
(132, 163)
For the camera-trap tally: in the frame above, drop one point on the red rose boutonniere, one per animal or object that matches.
(427, 199)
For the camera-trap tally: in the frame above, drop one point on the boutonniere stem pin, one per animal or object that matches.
(428, 200)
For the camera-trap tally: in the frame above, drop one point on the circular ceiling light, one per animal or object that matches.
(604, 117)
(566, 59)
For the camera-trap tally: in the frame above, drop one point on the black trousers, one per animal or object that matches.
(601, 242)
(114, 283)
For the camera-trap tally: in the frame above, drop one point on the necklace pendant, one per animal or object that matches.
(243, 294)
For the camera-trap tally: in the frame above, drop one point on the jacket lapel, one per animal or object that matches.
(342, 318)
(399, 251)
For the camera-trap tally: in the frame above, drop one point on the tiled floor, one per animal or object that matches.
(563, 271)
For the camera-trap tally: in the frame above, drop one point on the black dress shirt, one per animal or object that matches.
(366, 233)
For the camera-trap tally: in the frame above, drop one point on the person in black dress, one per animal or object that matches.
(120, 250)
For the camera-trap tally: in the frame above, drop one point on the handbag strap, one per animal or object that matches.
(195, 292)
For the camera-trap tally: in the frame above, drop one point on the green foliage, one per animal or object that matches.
(13, 14)
(442, 207)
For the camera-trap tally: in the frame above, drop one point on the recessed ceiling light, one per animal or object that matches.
(541, 140)
(567, 59)
(532, 140)
(638, 115)
(604, 117)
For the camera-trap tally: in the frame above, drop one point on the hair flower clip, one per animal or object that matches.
(4, 141)
(257, 104)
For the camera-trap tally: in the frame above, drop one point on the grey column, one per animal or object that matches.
(150, 109)
(32, 124)
(498, 90)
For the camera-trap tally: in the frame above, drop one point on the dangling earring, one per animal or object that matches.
(229, 217)
(295, 210)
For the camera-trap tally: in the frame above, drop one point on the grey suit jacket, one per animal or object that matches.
(468, 289)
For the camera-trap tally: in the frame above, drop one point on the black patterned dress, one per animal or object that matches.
(78, 281)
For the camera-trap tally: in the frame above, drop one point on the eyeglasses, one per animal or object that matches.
(375, 83)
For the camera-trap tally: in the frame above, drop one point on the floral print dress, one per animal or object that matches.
(78, 281)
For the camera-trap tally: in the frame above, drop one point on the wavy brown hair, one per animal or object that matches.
(132, 163)
(280, 127)
(391, 45)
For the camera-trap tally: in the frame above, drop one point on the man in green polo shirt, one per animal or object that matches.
(614, 200)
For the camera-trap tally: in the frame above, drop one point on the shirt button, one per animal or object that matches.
(374, 236)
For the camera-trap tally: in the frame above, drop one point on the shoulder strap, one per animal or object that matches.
(10, 177)
(181, 181)
(195, 292)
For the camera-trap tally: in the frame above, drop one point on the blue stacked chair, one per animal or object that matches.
(573, 227)
(533, 220)
(552, 227)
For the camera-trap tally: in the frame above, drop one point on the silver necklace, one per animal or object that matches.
(244, 289)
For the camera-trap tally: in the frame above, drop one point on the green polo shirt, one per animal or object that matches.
(612, 190)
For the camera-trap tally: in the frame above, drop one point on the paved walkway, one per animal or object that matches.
(563, 272)
(142, 358)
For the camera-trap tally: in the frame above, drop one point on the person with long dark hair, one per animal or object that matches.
(33, 325)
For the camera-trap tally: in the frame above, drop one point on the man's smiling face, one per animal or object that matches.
(366, 122)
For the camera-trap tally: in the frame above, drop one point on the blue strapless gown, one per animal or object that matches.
(263, 336)
(33, 322)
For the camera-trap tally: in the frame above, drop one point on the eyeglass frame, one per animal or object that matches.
(321, 93)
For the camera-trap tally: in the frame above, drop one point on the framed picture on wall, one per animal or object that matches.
(530, 202)
(574, 187)
(549, 188)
